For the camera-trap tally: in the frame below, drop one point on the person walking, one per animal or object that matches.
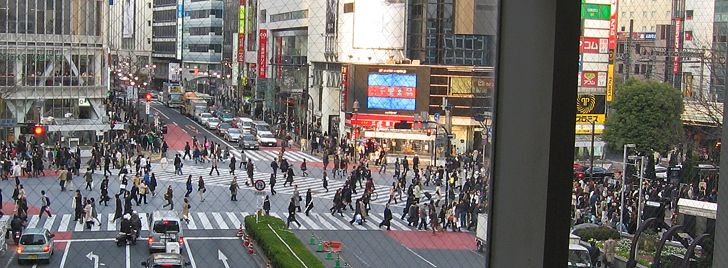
(117, 210)
(88, 176)
(178, 165)
(45, 204)
(274, 167)
(201, 189)
(134, 194)
(187, 151)
(387, 218)
(169, 197)
(186, 210)
(423, 217)
(249, 168)
(127, 203)
(62, 177)
(272, 184)
(325, 182)
(153, 184)
(304, 168)
(104, 191)
(357, 211)
(77, 206)
(87, 214)
(232, 165)
(143, 189)
(234, 189)
(292, 214)
(188, 186)
(214, 166)
(297, 198)
(266, 205)
(289, 177)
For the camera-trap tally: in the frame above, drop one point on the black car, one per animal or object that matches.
(599, 172)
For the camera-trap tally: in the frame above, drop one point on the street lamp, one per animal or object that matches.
(624, 174)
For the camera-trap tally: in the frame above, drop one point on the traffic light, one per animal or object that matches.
(429, 132)
(39, 130)
(148, 96)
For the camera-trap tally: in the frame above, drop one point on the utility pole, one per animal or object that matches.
(628, 49)
(639, 203)
(448, 131)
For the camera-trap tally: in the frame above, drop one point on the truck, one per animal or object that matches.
(172, 95)
(194, 103)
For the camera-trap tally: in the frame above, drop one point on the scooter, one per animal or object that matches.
(16, 237)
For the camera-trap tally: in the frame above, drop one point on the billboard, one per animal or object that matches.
(595, 11)
(387, 89)
(332, 7)
(180, 17)
(676, 46)
(590, 104)
(262, 53)
(379, 24)
(127, 25)
(241, 31)
(593, 45)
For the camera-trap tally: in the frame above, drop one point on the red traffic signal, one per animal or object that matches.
(39, 130)
(148, 96)
(429, 132)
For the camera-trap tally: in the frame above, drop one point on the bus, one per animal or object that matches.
(173, 95)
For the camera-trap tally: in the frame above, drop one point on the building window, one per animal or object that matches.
(688, 35)
(263, 17)
(348, 7)
(293, 15)
(688, 14)
(636, 69)
(620, 68)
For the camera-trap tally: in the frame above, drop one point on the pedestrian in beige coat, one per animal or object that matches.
(610, 249)
(186, 210)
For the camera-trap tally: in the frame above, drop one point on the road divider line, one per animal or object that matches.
(189, 253)
(65, 253)
(418, 255)
(128, 257)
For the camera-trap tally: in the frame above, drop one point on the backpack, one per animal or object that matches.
(48, 201)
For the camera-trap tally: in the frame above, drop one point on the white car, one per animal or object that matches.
(660, 172)
(267, 139)
(204, 117)
(233, 134)
(212, 123)
(245, 123)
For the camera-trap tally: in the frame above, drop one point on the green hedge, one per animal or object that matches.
(274, 249)
(598, 233)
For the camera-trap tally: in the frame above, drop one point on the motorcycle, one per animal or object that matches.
(16, 237)
(123, 239)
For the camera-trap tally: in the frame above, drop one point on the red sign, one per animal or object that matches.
(241, 47)
(391, 92)
(376, 120)
(592, 45)
(676, 46)
(613, 25)
(589, 79)
(262, 53)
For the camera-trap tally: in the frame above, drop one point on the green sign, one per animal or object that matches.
(595, 11)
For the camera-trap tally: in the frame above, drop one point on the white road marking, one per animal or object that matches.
(64, 223)
(189, 253)
(97, 225)
(309, 222)
(204, 220)
(324, 222)
(79, 226)
(337, 221)
(110, 224)
(191, 225)
(418, 255)
(33, 221)
(234, 219)
(65, 253)
(220, 221)
(49, 222)
(128, 259)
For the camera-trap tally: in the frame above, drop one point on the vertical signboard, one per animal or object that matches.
(180, 16)
(234, 64)
(612, 48)
(344, 86)
(262, 53)
(241, 32)
(279, 57)
(332, 7)
(676, 46)
(251, 22)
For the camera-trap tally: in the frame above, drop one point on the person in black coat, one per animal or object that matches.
(387, 218)
(292, 214)
(104, 191)
(117, 211)
(289, 177)
(272, 184)
(153, 184)
(78, 201)
(266, 205)
(127, 203)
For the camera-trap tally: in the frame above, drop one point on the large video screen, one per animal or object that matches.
(392, 91)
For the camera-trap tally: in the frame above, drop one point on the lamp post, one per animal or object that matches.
(355, 107)
(639, 203)
(624, 185)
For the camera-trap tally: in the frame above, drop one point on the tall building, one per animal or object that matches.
(130, 27)
(53, 68)
(165, 46)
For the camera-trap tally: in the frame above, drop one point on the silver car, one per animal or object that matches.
(35, 244)
(212, 123)
(233, 134)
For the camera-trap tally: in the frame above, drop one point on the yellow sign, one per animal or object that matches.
(587, 129)
(610, 82)
(588, 118)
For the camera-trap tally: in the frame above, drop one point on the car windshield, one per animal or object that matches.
(32, 239)
(233, 131)
(205, 115)
(262, 128)
(213, 120)
(224, 125)
(266, 135)
(166, 226)
(247, 124)
(248, 138)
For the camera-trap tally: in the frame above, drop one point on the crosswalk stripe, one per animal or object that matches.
(204, 220)
(369, 223)
(79, 226)
(49, 222)
(376, 219)
(321, 220)
(255, 155)
(396, 218)
(64, 223)
(97, 225)
(145, 221)
(312, 225)
(110, 224)
(292, 156)
(191, 225)
(234, 219)
(336, 220)
(220, 221)
(33, 221)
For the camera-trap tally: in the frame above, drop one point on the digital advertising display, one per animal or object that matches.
(392, 91)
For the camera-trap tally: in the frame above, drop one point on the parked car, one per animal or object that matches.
(248, 141)
(174, 260)
(36, 244)
(232, 134)
(212, 123)
(266, 138)
(222, 128)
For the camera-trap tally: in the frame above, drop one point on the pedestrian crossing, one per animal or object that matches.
(216, 221)
(304, 183)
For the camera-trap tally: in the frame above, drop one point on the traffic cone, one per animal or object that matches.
(250, 248)
(329, 255)
(312, 241)
(240, 232)
(320, 247)
(247, 242)
(337, 264)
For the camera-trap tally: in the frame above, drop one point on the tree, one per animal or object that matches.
(645, 113)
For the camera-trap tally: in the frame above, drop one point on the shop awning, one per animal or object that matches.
(398, 135)
(702, 113)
